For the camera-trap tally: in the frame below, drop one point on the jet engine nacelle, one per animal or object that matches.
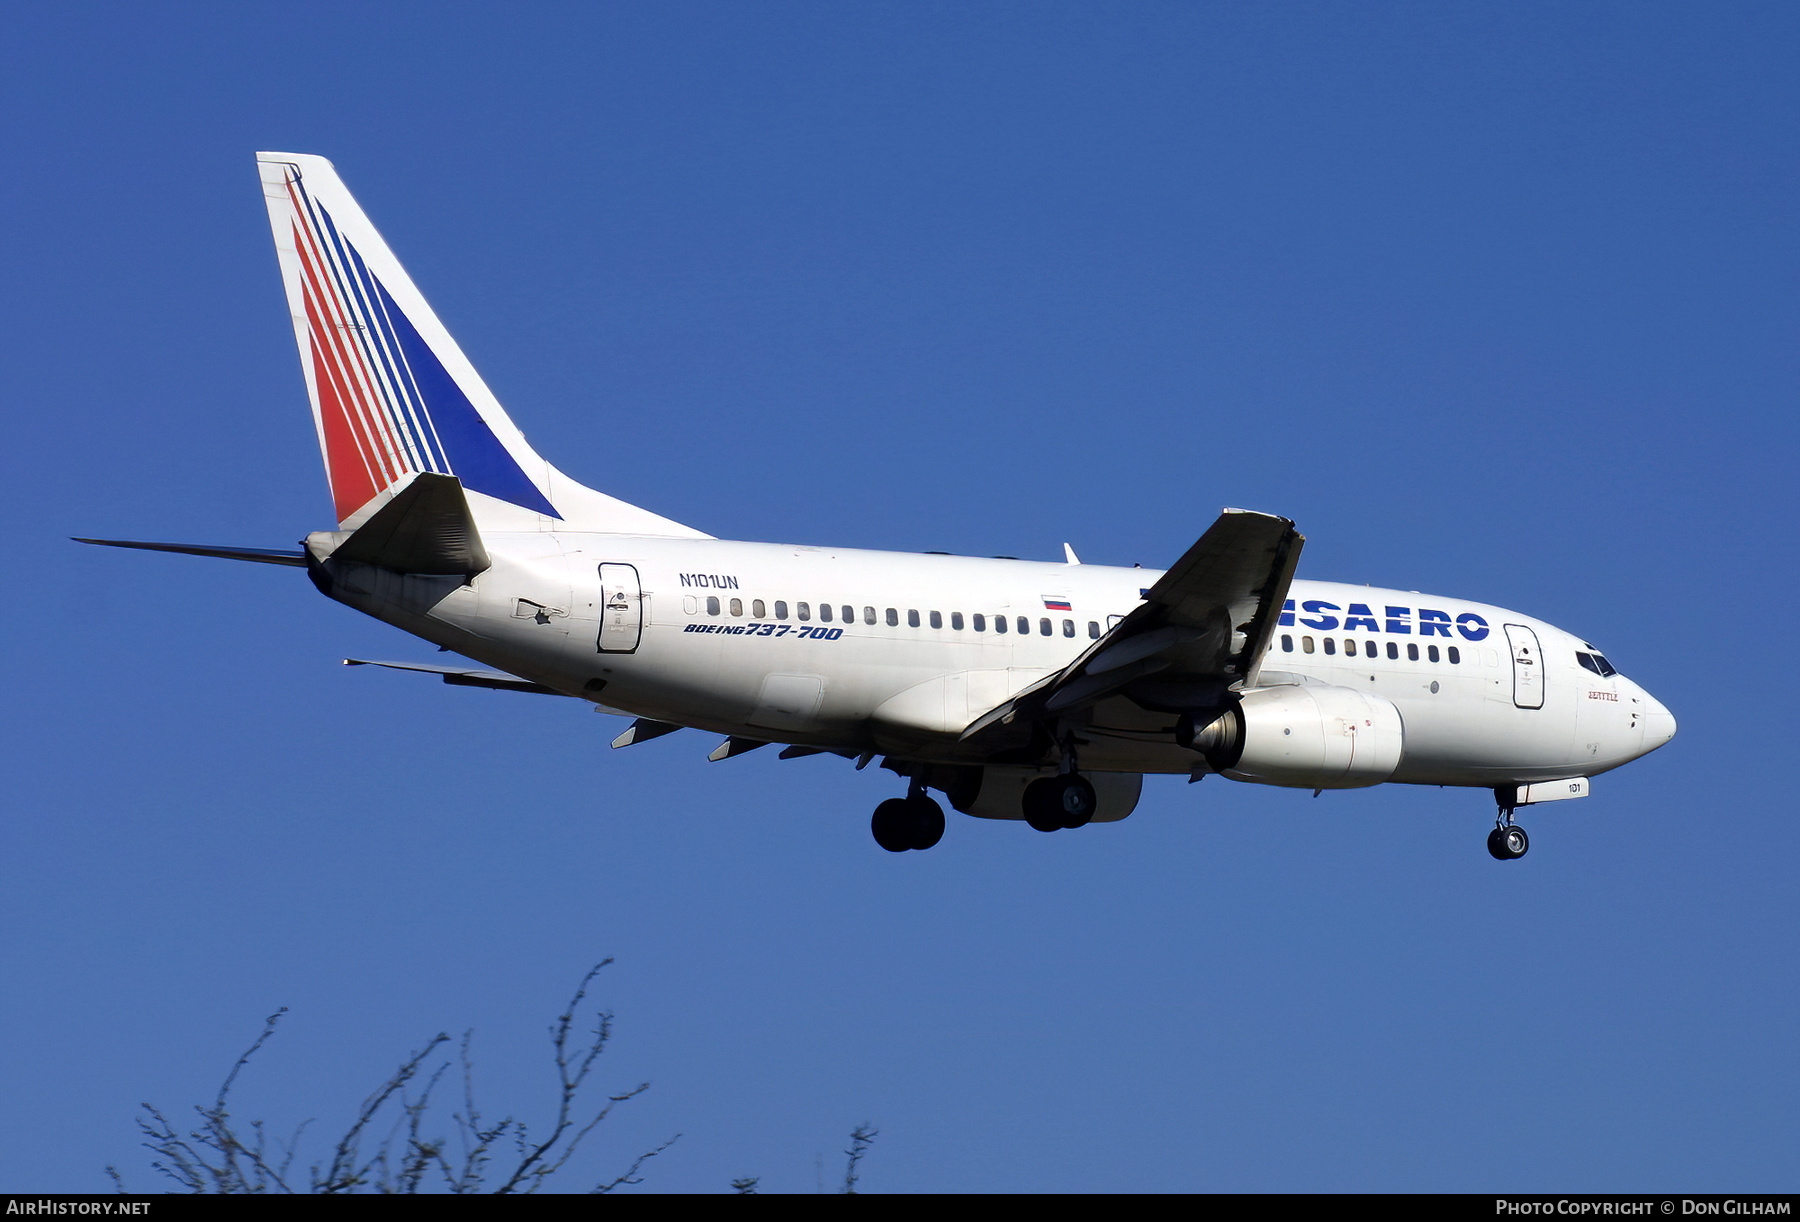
(1306, 737)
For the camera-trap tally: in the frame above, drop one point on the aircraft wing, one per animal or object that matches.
(1201, 630)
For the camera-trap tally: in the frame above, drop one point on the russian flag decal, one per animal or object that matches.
(1056, 604)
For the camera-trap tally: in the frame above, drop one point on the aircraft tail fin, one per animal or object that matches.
(392, 394)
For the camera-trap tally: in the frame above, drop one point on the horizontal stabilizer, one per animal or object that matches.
(257, 555)
(427, 528)
(466, 676)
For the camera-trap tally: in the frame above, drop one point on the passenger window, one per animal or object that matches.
(912, 619)
(1287, 643)
(1455, 657)
(1412, 652)
(869, 615)
(1330, 646)
(758, 609)
(999, 623)
(956, 620)
(850, 614)
(937, 619)
(893, 618)
(1093, 630)
(1068, 627)
(980, 622)
(712, 604)
(1431, 652)
(690, 604)
(1044, 627)
(737, 606)
(804, 610)
(1305, 644)
(824, 612)
(1350, 647)
(1393, 652)
(1024, 626)
(780, 609)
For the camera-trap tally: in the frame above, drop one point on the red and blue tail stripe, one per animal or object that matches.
(388, 407)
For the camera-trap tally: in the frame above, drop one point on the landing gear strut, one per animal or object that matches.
(1508, 841)
(912, 822)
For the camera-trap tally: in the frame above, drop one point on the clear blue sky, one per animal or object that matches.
(1495, 301)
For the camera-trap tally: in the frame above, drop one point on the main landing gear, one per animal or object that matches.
(1053, 803)
(912, 822)
(1066, 800)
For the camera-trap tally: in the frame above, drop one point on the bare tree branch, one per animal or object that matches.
(860, 1138)
(631, 1172)
(218, 1157)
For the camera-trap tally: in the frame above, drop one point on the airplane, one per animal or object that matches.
(1021, 690)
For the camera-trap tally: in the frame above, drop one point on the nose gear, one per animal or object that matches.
(1508, 841)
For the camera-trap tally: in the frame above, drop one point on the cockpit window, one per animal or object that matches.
(1596, 663)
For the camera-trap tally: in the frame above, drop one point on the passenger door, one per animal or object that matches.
(621, 608)
(1528, 667)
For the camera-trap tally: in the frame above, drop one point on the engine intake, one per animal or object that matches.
(1306, 737)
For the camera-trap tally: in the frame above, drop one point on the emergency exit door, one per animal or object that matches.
(621, 608)
(1528, 667)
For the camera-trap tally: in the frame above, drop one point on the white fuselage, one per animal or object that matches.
(897, 652)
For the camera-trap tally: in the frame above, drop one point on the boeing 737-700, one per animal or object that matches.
(1041, 692)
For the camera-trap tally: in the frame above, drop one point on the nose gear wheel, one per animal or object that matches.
(1508, 842)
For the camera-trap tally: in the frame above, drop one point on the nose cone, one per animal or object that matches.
(1659, 724)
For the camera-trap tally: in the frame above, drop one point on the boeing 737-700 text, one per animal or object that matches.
(1019, 690)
